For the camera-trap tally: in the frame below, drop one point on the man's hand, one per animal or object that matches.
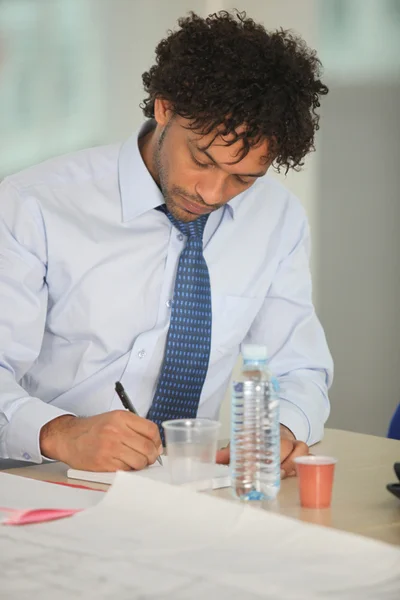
(290, 449)
(118, 440)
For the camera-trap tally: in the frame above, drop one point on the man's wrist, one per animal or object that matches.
(51, 437)
(286, 433)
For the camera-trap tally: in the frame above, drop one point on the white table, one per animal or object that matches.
(361, 503)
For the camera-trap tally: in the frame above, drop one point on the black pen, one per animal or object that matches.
(127, 403)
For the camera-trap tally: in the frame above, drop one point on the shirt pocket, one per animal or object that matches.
(232, 317)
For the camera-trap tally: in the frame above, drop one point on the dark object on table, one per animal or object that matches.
(394, 488)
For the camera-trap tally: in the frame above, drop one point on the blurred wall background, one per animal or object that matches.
(70, 77)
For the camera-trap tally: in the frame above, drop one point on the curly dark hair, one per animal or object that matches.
(227, 71)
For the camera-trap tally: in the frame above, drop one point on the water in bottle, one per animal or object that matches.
(255, 430)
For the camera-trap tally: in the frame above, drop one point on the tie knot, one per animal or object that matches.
(192, 229)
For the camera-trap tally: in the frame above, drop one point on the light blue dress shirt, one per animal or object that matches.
(87, 269)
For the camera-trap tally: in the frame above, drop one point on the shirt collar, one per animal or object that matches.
(139, 192)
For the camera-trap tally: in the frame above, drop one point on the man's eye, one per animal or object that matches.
(199, 164)
(242, 181)
(207, 165)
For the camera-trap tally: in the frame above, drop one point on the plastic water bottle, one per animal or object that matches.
(255, 433)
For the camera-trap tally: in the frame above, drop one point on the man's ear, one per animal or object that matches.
(163, 112)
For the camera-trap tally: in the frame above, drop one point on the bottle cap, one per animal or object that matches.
(254, 352)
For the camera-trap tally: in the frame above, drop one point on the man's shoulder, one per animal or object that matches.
(272, 197)
(69, 169)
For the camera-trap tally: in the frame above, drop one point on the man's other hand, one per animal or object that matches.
(290, 449)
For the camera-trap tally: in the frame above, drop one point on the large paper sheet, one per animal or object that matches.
(156, 541)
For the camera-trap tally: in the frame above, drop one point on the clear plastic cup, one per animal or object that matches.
(191, 450)
(315, 476)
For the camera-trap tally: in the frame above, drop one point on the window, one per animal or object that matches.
(51, 80)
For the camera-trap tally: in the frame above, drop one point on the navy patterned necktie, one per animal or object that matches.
(187, 350)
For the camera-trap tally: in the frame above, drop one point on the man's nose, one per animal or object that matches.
(211, 189)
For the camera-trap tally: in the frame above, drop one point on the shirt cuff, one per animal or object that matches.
(292, 417)
(23, 431)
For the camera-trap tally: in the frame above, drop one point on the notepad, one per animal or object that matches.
(25, 501)
(221, 478)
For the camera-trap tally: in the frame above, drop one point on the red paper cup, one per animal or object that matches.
(315, 476)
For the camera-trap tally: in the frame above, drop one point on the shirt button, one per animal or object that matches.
(169, 303)
(26, 456)
(180, 236)
(141, 353)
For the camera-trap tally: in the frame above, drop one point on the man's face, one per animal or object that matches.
(197, 177)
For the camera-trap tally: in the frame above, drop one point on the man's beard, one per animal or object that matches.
(169, 193)
(162, 175)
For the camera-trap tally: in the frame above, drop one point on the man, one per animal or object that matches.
(152, 261)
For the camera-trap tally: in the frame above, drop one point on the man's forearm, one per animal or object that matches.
(21, 419)
(304, 404)
(52, 435)
(287, 434)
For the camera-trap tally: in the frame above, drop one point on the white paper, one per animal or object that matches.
(156, 541)
(156, 472)
(21, 492)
